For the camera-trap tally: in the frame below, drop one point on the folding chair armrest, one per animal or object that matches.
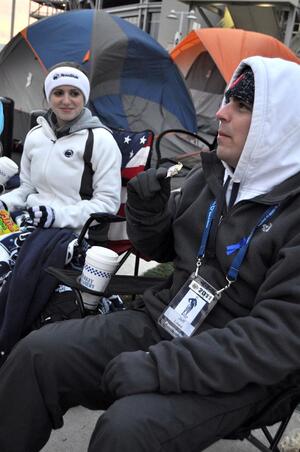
(101, 218)
(161, 136)
(70, 278)
(118, 284)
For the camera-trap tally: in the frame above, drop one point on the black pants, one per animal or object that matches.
(60, 366)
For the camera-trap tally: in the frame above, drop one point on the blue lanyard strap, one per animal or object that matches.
(208, 222)
(237, 261)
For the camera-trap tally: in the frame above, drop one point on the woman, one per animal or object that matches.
(70, 165)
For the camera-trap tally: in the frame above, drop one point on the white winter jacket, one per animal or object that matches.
(52, 170)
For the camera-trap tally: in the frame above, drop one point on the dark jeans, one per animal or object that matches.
(60, 366)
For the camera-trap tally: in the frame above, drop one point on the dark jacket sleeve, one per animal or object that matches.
(152, 234)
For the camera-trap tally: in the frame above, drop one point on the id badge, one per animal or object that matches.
(189, 307)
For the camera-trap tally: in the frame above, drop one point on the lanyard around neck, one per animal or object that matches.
(233, 271)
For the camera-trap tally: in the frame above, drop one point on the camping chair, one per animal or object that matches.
(179, 145)
(136, 149)
(280, 411)
(129, 285)
(189, 147)
(170, 144)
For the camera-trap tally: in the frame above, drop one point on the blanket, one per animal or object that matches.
(29, 287)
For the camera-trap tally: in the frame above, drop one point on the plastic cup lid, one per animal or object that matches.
(99, 252)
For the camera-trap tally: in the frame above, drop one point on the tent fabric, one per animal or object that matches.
(208, 57)
(206, 86)
(70, 30)
(228, 47)
(134, 82)
(210, 79)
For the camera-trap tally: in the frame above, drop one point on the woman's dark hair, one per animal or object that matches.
(70, 64)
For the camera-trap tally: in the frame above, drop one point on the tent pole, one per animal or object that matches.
(13, 9)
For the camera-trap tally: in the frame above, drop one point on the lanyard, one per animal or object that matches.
(233, 271)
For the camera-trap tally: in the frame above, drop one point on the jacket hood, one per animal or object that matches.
(84, 121)
(272, 150)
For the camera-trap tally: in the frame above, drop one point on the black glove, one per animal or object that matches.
(149, 191)
(41, 216)
(130, 373)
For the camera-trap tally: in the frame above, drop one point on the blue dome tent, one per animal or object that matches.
(134, 82)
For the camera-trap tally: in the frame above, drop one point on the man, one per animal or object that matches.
(233, 233)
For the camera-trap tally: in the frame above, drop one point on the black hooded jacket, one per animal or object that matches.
(252, 334)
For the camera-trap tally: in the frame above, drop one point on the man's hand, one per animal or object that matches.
(149, 190)
(130, 373)
(41, 216)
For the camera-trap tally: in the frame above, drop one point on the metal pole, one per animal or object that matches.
(13, 9)
(180, 25)
(290, 26)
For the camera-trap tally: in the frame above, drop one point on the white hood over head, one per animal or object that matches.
(272, 150)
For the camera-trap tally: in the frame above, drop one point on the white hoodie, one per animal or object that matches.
(272, 150)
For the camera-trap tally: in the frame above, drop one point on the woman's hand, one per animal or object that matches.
(41, 216)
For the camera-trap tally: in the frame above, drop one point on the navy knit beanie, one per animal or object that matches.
(242, 88)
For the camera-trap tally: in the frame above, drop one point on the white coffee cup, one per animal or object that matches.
(100, 264)
(8, 168)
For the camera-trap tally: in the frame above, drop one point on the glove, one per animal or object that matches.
(149, 190)
(130, 373)
(21, 218)
(41, 216)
